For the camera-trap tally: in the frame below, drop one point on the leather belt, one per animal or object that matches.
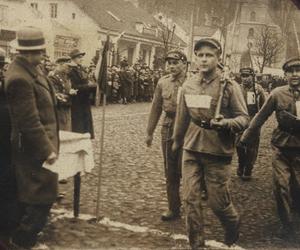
(202, 123)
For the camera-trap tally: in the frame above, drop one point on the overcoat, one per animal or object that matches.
(82, 120)
(34, 135)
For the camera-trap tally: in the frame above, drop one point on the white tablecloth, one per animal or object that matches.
(75, 155)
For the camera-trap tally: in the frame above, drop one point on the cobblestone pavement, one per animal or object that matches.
(133, 192)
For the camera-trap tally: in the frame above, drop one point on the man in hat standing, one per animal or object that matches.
(285, 101)
(82, 120)
(255, 97)
(34, 137)
(165, 99)
(206, 131)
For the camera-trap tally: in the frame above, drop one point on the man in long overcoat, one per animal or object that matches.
(34, 135)
(82, 120)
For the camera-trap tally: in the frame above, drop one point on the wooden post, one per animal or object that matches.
(297, 38)
(101, 157)
(76, 198)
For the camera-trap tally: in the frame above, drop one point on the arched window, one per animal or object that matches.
(253, 16)
(251, 33)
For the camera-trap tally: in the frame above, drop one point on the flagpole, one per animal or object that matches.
(101, 157)
(102, 81)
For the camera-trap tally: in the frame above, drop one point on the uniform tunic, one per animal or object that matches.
(247, 158)
(165, 99)
(286, 147)
(208, 152)
(62, 86)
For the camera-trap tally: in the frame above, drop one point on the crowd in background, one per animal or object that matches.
(126, 83)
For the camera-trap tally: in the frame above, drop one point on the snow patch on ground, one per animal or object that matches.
(63, 213)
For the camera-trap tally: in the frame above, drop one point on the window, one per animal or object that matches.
(253, 16)
(251, 33)
(73, 15)
(34, 5)
(53, 10)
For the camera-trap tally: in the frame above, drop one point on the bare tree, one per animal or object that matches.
(268, 45)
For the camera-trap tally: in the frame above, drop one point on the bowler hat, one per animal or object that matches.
(291, 63)
(210, 42)
(63, 59)
(177, 55)
(30, 38)
(75, 53)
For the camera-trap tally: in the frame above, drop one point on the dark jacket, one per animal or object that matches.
(82, 120)
(34, 136)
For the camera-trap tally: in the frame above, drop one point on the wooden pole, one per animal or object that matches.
(297, 38)
(101, 158)
(190, 55)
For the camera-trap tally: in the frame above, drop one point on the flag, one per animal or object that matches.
(102, 65)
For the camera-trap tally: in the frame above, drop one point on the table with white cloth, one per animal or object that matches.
(75, 159)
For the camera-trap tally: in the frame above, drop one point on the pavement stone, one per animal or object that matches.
(133, 192)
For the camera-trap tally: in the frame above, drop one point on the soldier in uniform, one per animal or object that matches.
(285, 101)
(165, 99)
(63, 91)
(208, 142)
(255, 97)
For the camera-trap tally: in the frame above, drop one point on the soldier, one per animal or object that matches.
(209, 141)
(165, 99)
(285, 101)
(34, 135)
(255, 97)
(63, 91)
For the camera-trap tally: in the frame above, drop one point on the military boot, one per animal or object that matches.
(247, 176)
(232, 234)
(170, 215)
(240, 171)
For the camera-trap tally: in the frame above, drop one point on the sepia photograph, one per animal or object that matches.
(149, 124)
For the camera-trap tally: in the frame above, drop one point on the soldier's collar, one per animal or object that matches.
(181, 77)
(208, 79)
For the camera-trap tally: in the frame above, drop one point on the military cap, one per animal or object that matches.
(210, 42)
(76, 53)
(177, 55)
(63, 59)
(246, 71)
(30, 38)
(291, 63)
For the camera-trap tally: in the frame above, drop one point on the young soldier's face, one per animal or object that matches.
(293, 75)
(207, 59)
(246, 79)
(176, 66)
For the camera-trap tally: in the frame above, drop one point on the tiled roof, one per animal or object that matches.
(119, 16)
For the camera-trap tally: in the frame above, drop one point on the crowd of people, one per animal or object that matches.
(207, 117)
(126, 83)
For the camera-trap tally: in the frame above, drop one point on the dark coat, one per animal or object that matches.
(82, 120)
(34, 136)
